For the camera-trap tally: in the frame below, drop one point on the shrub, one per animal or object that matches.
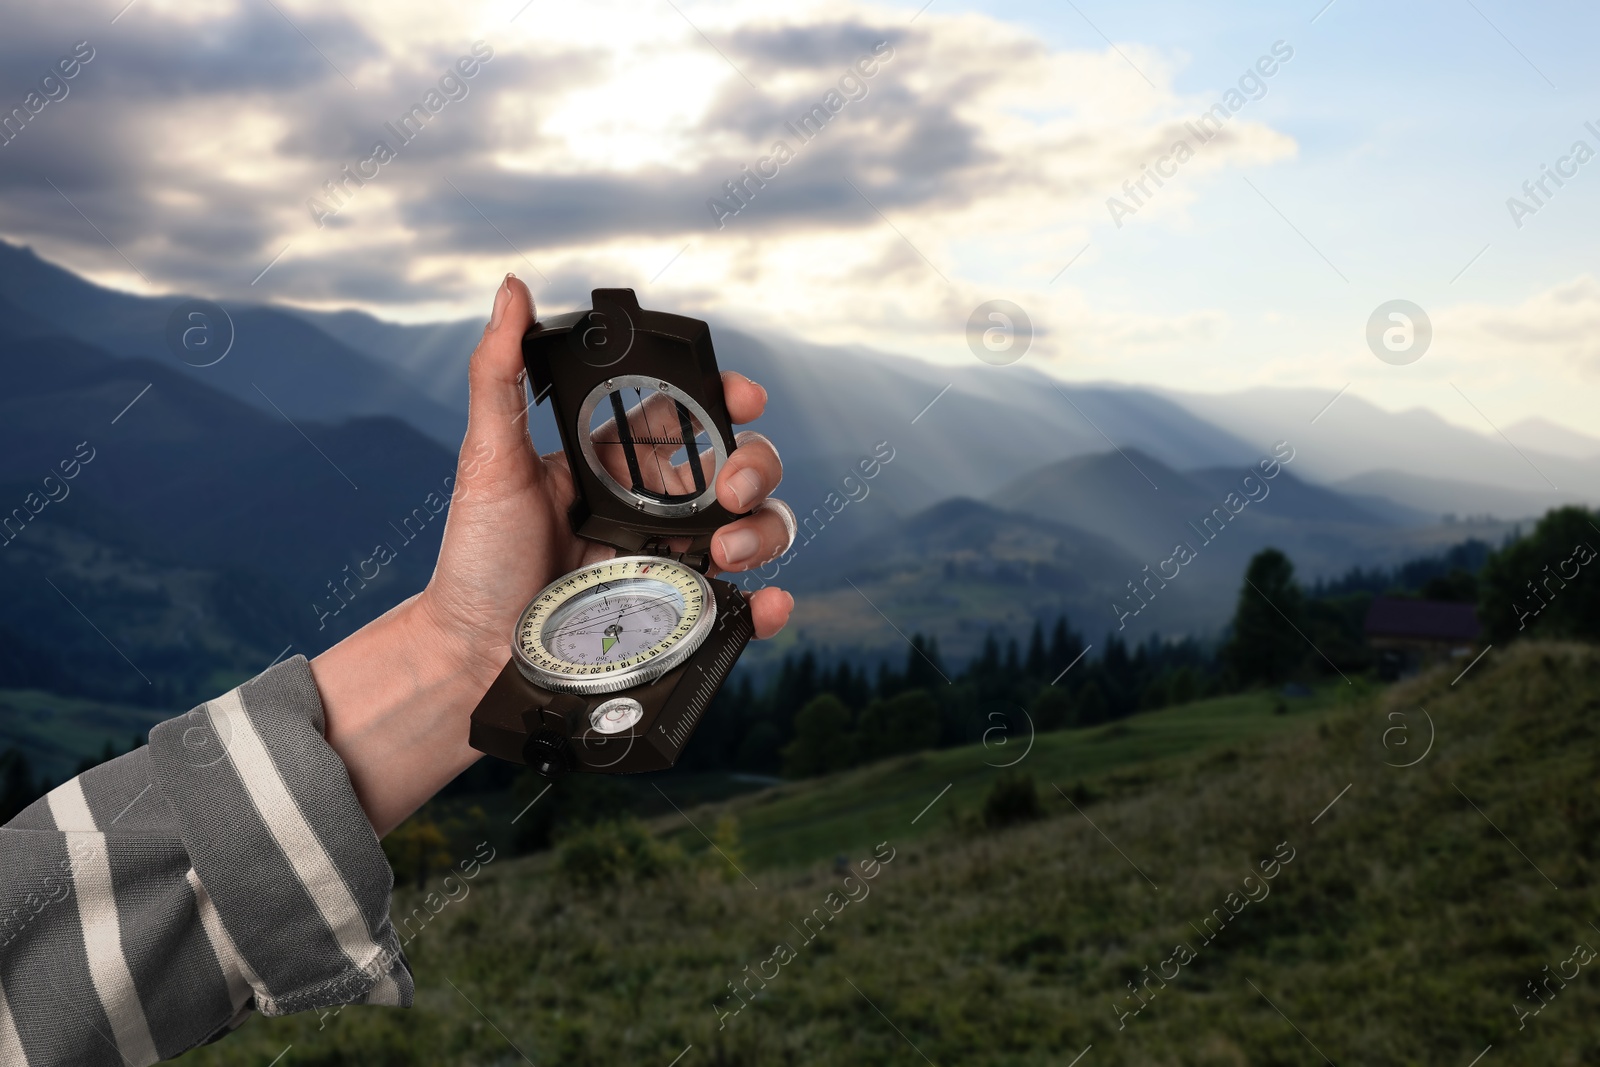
(548, 811)
(726, 857)
(1013, 799)
(615, 852)
(907, 722)
(415, 849)
(823, 740)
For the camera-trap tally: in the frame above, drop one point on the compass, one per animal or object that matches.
(616, 624)
(613, 664)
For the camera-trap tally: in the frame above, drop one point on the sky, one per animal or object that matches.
(972, 152)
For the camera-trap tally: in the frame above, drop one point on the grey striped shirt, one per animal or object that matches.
(149, 905)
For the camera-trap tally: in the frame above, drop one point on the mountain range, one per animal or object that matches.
(190, 520)
(1513, 471)
(275, 356)
(215, 524)
(960, 431)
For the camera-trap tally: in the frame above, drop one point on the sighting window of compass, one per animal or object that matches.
(653, 444)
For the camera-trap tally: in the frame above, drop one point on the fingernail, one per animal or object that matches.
(502, 297)
(739, 546)
(746, 486)
(791, 599)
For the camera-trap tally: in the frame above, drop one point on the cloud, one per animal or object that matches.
(1552, 331)
(588, 149)
(807, 47)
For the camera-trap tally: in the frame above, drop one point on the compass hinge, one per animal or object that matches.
(698, 560)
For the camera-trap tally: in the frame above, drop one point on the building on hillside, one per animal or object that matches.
(1409, 634)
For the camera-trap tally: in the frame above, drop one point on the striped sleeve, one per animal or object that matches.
(149, 905)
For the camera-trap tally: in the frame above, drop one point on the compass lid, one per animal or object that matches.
(638, 399)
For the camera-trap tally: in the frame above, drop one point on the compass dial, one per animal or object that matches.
(612, 625)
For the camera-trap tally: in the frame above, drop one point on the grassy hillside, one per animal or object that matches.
(809, 820)
(1401, 924)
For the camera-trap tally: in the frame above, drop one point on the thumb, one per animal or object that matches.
(497, 409)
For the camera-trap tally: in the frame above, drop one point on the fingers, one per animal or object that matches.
(497, 423)
(754, 539)
(495, 373)
(769, 610)
(656, 429)
(744, 399)
(752, 472)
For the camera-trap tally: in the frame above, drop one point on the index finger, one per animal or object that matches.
(745, 399)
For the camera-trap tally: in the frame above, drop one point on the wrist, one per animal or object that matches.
(398, 696)
(460, 645)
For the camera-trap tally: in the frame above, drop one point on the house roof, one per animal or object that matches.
(1425, 620)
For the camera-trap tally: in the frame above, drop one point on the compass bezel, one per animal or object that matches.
(652, 503)
(587, 679)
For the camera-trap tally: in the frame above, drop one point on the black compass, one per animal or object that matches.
(613, 665)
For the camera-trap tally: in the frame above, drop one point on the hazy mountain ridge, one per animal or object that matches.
(1013, 419)
(195, 531)
(276, 357)
(1545, 436)
(213, 478)
(1085, 485)
(1446, 497)
(1323, 531)
(961, 431)
(956, 571)
(963, 423)
(1354, 437)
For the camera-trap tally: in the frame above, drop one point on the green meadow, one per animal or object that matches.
(1226, 885)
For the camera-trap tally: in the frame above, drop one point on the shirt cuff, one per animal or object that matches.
(281, 845)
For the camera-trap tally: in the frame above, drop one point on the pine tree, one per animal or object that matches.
(888, 685)
(1265, 646)
(17, 786)
(794, 686)
(988, 665)
(1037, 664)
(923, 668)
(1119, 683)
(805, 676)
(1546, 584)
(1065, 647)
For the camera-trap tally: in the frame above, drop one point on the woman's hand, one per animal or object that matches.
(400, 691)
(508, 536)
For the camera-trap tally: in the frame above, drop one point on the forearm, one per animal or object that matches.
(398, 695)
